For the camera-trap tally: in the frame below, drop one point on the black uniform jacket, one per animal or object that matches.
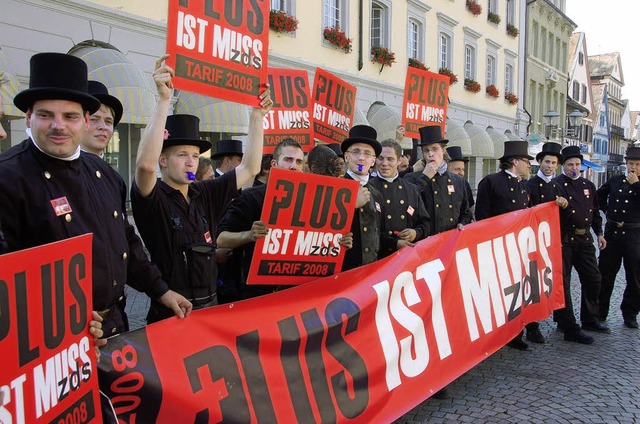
(582, 212)
(542, 191)
(366, 227)
(500, 193)
(445, 198)
(165, 209)
(403, 208)
(620, 201)
(91, 198)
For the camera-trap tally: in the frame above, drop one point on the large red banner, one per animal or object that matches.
(307, 215)
(290, 115)
(334, 102)
(219, 48)
(426, 97)
(48, 371)
(363, 346)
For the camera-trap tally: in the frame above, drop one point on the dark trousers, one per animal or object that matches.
(582, 256)
(621, 247)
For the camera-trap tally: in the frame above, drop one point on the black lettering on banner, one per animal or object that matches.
(302, 99)
(26, 353)
(78, 312)
(339, 219)
(290, 359)
(5, 318)
(515, 291)
(82, 411)
(317, 373)
(347, 356)
(53, 293)
(321, 204)
(208, 8)
(295, 268)
(255, 19)
(216, 75)
(248, 346)
(223, 370)
(547, 280)
(297, 209)
(285, 190)
(531, 285)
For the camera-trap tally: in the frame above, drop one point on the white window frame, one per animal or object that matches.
(330, 8)
(491, 70)
(383, 39)
(511, 12)
(471, 43)
(493, 6)
(416, 13)
(445, 41)
(509, 74)
(414, 45)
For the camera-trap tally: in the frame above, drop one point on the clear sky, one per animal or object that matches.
(610, 27)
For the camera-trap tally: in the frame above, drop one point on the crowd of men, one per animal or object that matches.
(200, 220)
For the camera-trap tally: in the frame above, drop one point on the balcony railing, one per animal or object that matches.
(616, 130)
(616, 158)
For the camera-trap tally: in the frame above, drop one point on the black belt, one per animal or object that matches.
(624, 224)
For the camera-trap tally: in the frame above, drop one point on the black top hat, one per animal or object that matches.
(572, 152)
(633, 153)
(552, 149)
(228, 148)
(100, 92)
(362, 134)
(516, 149)
(430, 135)
(184, 130)
(455, 153)
(336, 149)
(57, 76)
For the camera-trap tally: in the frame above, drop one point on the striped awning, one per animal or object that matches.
(123, 78)
(511, 136)
(498, 138)
(385, 120)
(481, 144)
(359, 118)
(216, 115)
(9, 87)
(457, 136)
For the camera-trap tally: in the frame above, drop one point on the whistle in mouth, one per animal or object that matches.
(360, 168)
(575, 174)
(191, 176)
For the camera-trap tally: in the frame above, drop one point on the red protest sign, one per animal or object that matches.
(290, 115)
(363, 346)
(334, 102)
(48, 371)
(425, 101)
(219, 48)
(306, 216)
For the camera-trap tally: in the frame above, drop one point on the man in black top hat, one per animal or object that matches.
(50, 190)
(227, 157)
(406, 220)
(504, 192)
(444, 194)
(577, 219)
(176, 216)
(541, 189)
(619, 199)
(361, 149)
(103, 122)
(456, 165)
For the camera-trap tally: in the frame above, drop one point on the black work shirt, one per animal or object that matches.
(619, 200)
(500, 193)
(403, 209)
(542, 191)
(95, 193)
(582, 212)
(159, 213)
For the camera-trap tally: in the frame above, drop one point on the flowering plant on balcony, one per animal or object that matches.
(474, 7)
(511, 98)
(415, 63)
(512, 30)
(493, 17)
(471, 85)
(280, 21)
(452, 77)
(493, 91)
(383, 56)
(337, 38)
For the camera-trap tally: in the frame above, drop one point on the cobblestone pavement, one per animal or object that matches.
(558, 382)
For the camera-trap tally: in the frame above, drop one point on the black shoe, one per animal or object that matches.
(535, 336)
(596, 326)
(631, 322)
(518, 343)
(443, 393)
(579, 337)
(560, 328)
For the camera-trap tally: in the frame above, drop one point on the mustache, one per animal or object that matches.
(56, 133)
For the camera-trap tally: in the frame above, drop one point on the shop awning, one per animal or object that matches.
(498, 138)
(359, 117)
(481, 144)
(123, 78)
(457, 136)
(385, 120)
(216, 115)
(511, 136)
(594, 166)
(9, 87)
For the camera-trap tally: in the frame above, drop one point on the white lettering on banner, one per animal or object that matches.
(432, 114)
(492, 289)
(186, 37)
(18, 400)
(317, 243)
(233, 46)
(293, 119)
(339, 120)
(410, 355)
